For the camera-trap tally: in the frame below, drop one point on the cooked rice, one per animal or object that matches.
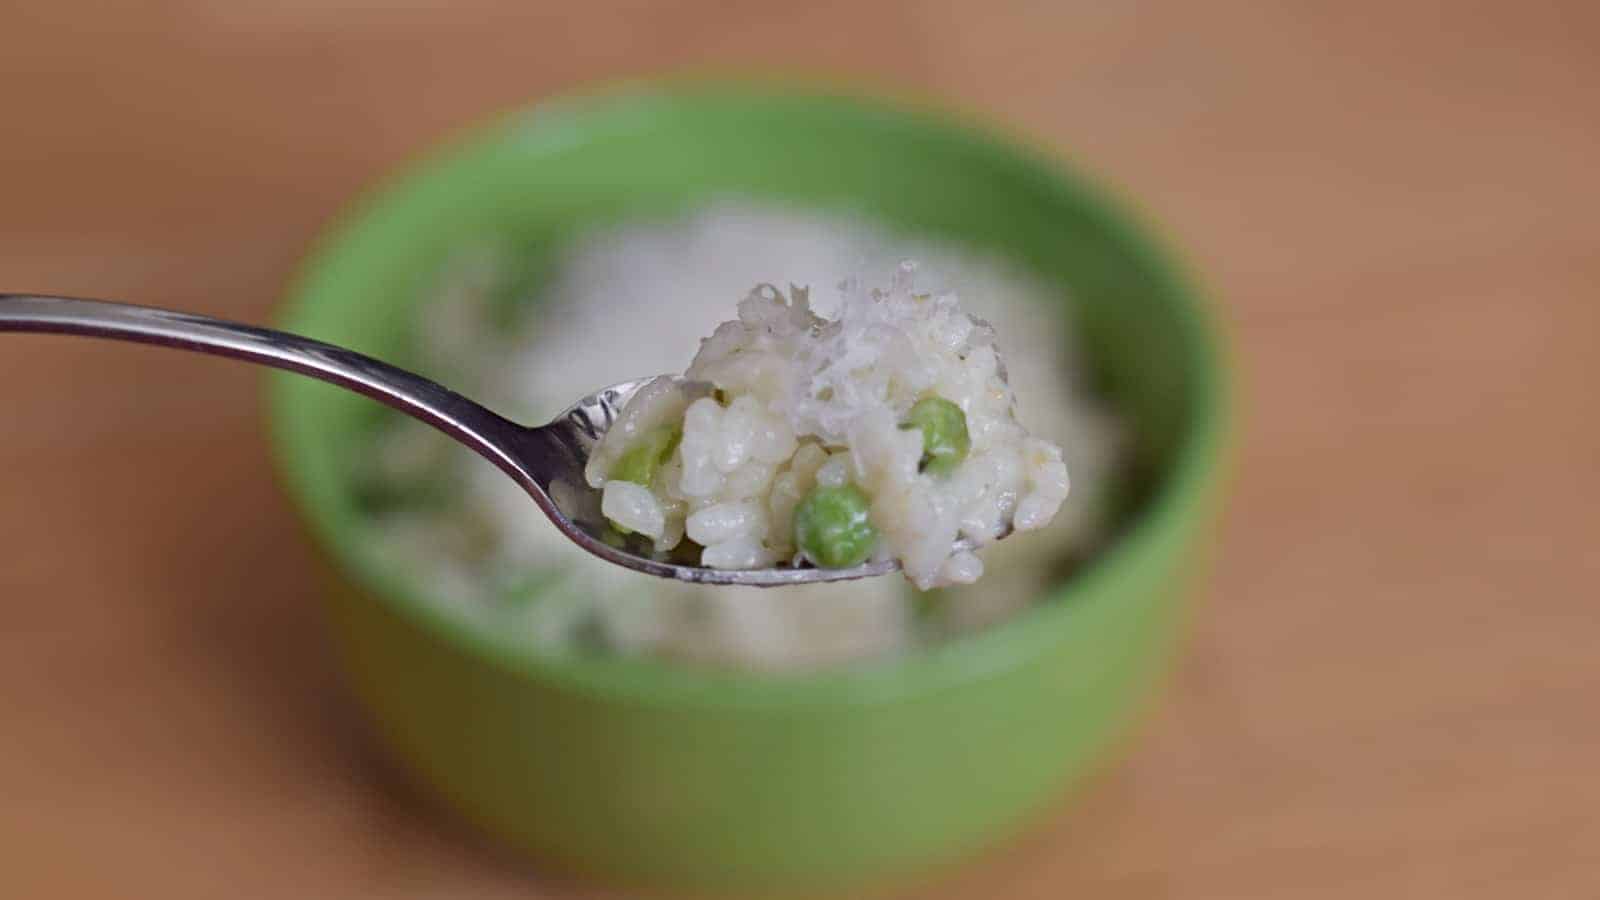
(793, 384)
(652, 289)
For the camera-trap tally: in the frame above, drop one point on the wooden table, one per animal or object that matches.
(1394, 690)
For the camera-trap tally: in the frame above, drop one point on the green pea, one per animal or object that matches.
(832, 528)
(945, 441)
(523, 589)
(928, 610)
(640, 462)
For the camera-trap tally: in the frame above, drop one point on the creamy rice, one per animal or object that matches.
(806, 404)
(646, 292)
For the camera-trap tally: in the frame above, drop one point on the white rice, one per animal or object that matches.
(625, 303)
(792, 382)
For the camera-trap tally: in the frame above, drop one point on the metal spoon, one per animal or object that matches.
(547, 461)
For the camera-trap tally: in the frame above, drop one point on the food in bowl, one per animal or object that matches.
(538, 694)
(625, 301)
(887, 432)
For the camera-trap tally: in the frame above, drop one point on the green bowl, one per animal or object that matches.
(690, 778)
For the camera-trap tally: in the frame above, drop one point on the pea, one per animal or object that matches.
(945, 441)
(832, 529)
(640, 462)
(928, 610)
(524, 589)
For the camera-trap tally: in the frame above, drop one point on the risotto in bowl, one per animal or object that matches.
(694, 736)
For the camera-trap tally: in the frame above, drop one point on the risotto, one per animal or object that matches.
(489, 558)
(888, 432)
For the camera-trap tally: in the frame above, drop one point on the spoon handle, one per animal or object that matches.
(479, 428)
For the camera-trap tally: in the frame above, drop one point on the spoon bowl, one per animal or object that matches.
(562, 448)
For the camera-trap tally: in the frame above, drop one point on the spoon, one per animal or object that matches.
(547, 461)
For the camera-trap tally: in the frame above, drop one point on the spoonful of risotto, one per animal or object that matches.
(795, 449)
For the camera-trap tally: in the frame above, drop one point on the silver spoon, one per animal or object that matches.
(547, 461)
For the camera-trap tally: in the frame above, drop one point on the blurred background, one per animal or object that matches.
(1391, 688)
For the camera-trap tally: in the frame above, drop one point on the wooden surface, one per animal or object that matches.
(1394, 690)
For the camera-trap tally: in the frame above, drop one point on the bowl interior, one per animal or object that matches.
(539, 177)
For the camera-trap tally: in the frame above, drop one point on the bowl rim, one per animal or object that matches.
(1194, 479)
